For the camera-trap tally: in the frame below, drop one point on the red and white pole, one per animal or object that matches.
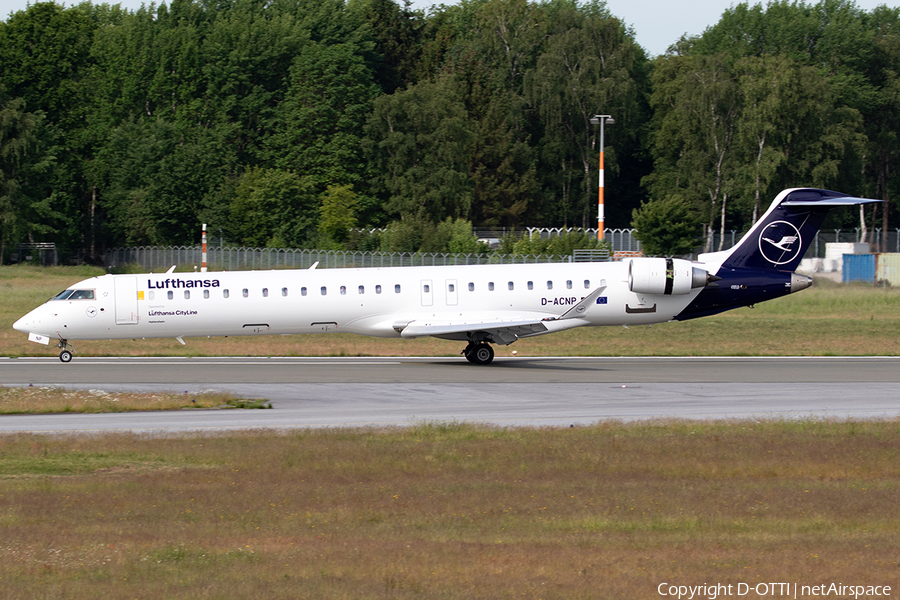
(602, 121)
(600, 216)
(203, 266)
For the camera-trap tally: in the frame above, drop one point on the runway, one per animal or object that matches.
(336, 392)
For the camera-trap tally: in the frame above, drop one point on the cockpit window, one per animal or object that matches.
(74, 295)
(82, 295)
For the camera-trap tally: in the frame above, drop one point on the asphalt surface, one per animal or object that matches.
(334, 392)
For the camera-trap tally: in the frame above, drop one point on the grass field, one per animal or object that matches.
(450, 511)
(37, 400)
(828, 319)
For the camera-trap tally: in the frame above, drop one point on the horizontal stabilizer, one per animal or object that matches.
(830, 202)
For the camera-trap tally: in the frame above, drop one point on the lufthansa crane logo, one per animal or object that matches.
(780, 242)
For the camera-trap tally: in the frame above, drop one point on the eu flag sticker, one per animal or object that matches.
(601, 300)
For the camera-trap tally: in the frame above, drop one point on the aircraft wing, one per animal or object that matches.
(499, 331)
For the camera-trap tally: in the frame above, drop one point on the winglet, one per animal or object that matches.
(579, 309)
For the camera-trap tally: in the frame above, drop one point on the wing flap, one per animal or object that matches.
(499, 331)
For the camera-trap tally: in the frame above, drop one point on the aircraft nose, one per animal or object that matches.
(30, 322)
(23, 324)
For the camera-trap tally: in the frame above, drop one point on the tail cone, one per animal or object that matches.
(800, 282)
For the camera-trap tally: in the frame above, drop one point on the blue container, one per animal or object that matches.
(859, 267)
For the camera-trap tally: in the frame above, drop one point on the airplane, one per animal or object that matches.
(479, 305)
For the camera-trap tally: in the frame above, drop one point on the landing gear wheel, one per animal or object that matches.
(481, 354)
(67, 350)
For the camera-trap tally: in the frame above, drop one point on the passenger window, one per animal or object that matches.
(452, 288)
(587, 284)
(362, 289)
(245, 293)
(377, 289)
(530, 285)
(569, 284)
(265, 292)
(284, 292)
(343, 290)
(206, 293)
(224, 293)
(397, 288)
(549, 285)
(187, 294)
(303, 291)
(427, 288)
(324, 291)
(152, 295)
(170, 294)
(471, 287)
(490, 286)
(511, 286)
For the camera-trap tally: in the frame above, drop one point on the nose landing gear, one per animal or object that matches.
(479, 354)
(67, 350)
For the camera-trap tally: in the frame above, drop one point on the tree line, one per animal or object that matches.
(304, 122)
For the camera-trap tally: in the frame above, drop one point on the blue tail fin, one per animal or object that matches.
(782, 235)
(761, 266)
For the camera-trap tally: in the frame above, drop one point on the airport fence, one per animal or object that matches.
(153, 258)
(230, 258)
(826, 236)
(624, 240)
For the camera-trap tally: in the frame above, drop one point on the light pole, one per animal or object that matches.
(602, 121)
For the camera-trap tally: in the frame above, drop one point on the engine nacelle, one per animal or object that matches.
(665, 276)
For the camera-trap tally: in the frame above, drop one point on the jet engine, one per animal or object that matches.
(666, 276)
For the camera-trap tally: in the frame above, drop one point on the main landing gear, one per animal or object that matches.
(479, 354)
(67, 350)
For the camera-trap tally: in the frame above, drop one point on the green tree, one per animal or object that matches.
(765, 86)
(25, 204)
(565, 243)
(666, 227)
(456, 236)
(882, 119)
(396, 30)
(697, 103)
(127, 165)
(320, 123)
(588, 64)
(247, 51)
(50, 48)
(337, 213)
(273, 208)
(421, 143)
(161, 181)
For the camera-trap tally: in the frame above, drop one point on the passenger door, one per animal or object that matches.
(126, 300)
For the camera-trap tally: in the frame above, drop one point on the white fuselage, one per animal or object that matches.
(372, 301)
